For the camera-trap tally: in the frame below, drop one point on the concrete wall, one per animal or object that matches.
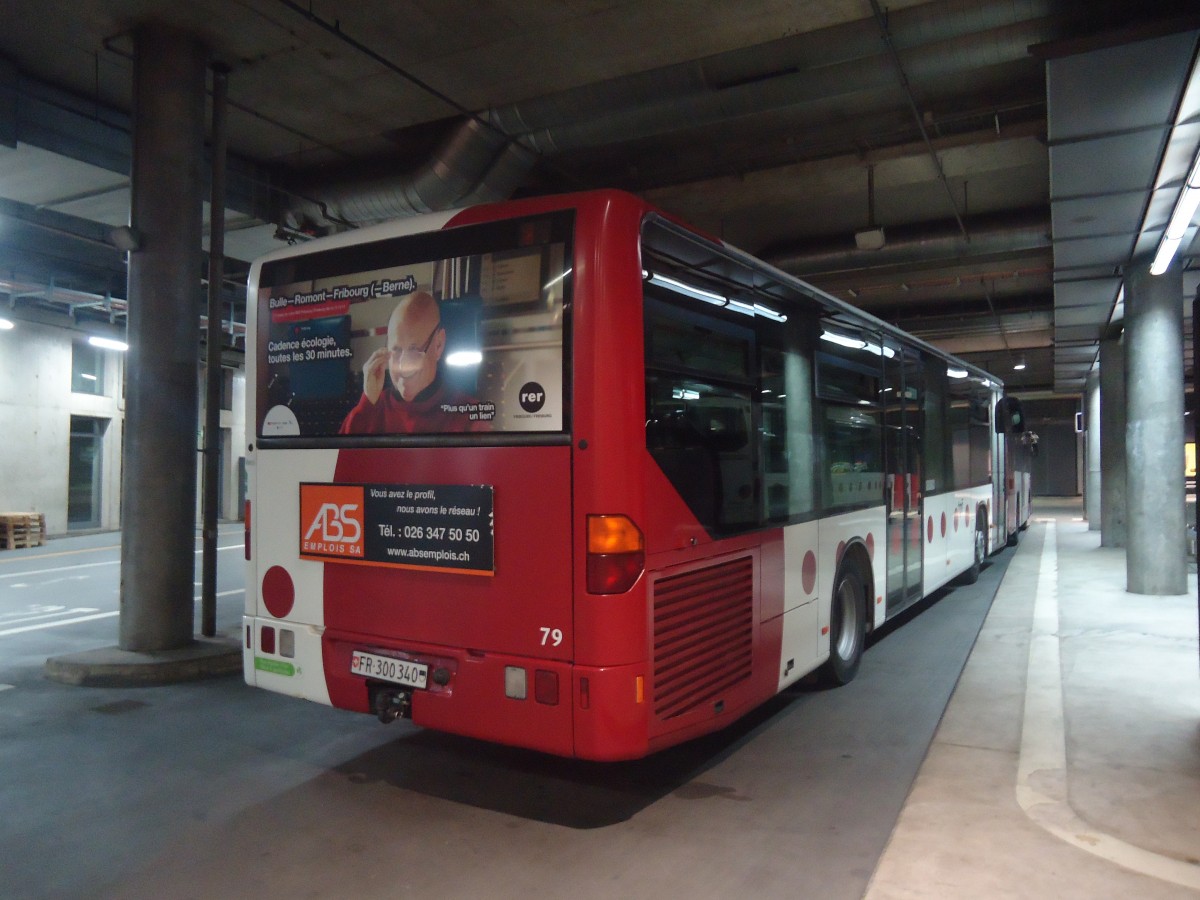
(36, 405)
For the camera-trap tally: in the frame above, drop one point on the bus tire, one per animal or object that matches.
(972, 574)
(847, 627)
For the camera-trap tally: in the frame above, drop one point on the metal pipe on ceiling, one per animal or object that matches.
(1020, 232)
(478, 160)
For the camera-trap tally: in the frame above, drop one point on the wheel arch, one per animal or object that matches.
(857, 555)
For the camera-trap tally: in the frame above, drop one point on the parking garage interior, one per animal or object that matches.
(993, 178)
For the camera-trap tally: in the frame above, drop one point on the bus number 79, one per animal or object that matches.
(551, 636)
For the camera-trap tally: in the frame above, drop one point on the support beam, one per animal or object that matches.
(1113, 514)
(1156, 555)
(1093, 437)
(162, 409)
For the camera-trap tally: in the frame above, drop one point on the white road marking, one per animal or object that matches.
(54, 571)
(52, 612)
(90, 618)
(111, 562)
(59, 623)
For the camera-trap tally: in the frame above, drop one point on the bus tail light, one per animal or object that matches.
(616, 554)
(545, 687)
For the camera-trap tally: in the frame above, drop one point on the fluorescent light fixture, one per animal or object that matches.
(886, 352)
(107, 343)
(843, 340)
(1181, 220)
(857, 344)
(684, 394)
(696, 293)
(6, 325)
(687, 290)
(88, 375)
(1019, 365)
(464, 358)
(767, 312)
(957, 373)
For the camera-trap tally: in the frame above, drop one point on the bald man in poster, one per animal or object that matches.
(403, 389)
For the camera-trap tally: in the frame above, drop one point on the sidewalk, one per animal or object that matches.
(1067, 764)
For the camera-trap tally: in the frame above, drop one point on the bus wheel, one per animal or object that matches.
(972, 574)
(847, 628)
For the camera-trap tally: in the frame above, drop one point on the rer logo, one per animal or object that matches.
(331, 520)
(532, 397)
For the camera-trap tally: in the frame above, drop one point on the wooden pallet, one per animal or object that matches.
(19, 530)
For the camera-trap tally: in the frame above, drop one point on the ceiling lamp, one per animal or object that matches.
(107, 343)
(870, 239)
(1019, 365)
(1181, 220)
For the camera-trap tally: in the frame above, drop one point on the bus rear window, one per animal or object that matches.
(438, 333)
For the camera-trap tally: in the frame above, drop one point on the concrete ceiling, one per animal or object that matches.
(1015, 153)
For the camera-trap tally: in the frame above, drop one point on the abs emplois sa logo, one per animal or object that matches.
(332, 521)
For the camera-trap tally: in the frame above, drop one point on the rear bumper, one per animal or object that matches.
(601, 713)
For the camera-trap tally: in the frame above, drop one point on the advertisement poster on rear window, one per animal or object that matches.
(367, 344)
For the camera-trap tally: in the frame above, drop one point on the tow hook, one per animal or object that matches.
(390, 705)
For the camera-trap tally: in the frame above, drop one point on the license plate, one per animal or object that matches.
(387, 668)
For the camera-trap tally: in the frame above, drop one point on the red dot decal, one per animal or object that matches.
(871, 544)
(278, 592)
(943, 524)
(808, 573)
(929, 530)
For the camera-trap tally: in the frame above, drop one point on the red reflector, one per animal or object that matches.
(247, 529)
(278, 592)
(545, 687)
(248, 644)
(585, 694)
(266, 639)
(613, 573)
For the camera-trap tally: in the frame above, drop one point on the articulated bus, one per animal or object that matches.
(566, 474)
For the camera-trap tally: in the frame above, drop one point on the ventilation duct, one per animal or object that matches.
(932, 242)
(481, 162)
(474, 164)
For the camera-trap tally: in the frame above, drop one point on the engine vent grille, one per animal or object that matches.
(703, 634)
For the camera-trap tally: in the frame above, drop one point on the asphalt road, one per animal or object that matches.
(213, 789)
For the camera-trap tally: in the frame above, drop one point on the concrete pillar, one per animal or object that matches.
(1112, 444)
(161, 395)
(1156, 552)
(1091, 416)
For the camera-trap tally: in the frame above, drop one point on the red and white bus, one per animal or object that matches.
(564, 473)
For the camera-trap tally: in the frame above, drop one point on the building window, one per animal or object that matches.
(87, 368)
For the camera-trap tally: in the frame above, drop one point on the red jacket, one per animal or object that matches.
(436, 410)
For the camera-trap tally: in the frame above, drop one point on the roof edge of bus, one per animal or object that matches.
(403, 226)
(824, 298)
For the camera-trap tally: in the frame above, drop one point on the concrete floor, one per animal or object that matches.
(1068, 762)
(1066, 765)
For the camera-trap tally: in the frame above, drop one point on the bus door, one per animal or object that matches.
(903, 388)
